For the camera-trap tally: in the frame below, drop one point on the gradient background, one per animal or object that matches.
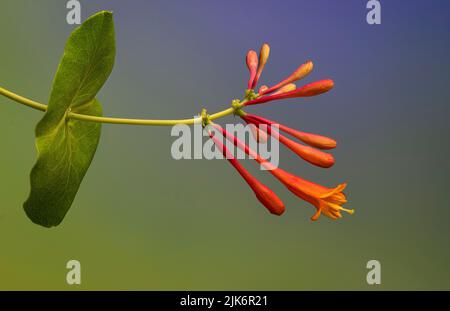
(143, 221)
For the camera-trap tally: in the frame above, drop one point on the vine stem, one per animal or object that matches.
(83, 117)
(23, 100)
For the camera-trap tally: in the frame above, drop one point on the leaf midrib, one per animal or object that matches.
(91, 62)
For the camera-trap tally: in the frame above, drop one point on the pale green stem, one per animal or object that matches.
(89, 118)
(23, 100)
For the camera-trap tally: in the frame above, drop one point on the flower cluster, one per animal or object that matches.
(310, 147)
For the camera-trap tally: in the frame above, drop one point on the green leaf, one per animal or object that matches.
(66, 146)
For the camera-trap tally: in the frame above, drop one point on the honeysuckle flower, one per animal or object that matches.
(266, 196)
(315, 140)
(263, 57)
(307, 153)
(252, 65)
(285, 88)
(311, 89)
(326, 200)
(301, 72)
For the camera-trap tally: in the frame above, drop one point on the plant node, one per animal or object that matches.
(205, 117)
(236, 104)
(250, 94)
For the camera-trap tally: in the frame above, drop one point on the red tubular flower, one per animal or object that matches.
(252, 65)
(266, 196)
(309, 154)
(308, 90)
(328, 201)
(318, 141)
(301, 72)
(312, 89)
(263, 57)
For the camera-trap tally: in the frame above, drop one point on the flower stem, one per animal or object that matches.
(23, 100)
(89, 118)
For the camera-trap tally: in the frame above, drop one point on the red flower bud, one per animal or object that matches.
(252, 65)
(326, 200)
(266, 196)
(301, 72)
(312, 89)
(263, 57)
(318, 141)
(308, 90)
(309, 154)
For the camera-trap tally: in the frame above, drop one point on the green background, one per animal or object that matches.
(143, 221)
